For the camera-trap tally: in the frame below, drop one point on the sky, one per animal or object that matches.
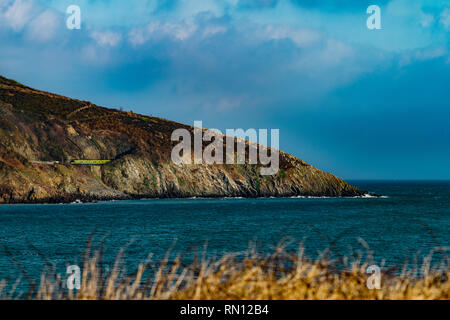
(360, 103)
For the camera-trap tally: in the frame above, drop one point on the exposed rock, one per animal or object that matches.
(38, 127)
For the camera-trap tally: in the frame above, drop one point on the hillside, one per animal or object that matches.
(41, 132)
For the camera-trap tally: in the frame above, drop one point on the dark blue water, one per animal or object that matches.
(413, 217)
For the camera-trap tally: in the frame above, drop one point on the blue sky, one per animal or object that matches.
(363, 104)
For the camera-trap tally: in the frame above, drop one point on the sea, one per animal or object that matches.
(409, 222)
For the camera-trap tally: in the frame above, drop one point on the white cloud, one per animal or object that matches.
(336, 51)
(426, 19)
(90, 54)
(422, 55)
(107, 38)
(187, 8)
(445, 18)
(325, 56)
(43, 27)
(211, 30)
(430, 53)
(157, 30)
(300, 36)
(16, 15)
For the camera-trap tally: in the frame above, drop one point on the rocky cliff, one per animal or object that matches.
(40, 133)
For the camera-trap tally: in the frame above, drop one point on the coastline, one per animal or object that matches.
(80, 199)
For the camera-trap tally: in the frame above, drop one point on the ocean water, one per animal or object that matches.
(409, 220)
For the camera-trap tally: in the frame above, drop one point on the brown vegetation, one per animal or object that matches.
(37, 126)
(281, 276)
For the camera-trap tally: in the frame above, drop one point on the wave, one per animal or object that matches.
(364, 196)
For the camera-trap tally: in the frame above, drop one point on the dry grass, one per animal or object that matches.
(281, 275)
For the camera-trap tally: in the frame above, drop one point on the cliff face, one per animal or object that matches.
(37, 126)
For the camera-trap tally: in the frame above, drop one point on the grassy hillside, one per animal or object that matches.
(38, 127)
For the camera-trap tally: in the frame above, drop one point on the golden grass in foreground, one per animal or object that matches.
(278, 276)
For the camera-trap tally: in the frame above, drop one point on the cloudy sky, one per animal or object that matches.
(363, 104)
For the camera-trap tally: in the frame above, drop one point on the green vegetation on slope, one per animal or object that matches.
(41, 127)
